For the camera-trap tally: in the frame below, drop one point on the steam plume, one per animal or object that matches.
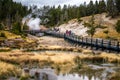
(34, 24)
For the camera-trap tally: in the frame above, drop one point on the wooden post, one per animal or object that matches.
(96, 44)
(78, 42)
(102, 44)
(82, 42)
(64, 36)
(109, 45)
(117, 46)
(86, 40)
(91, 43)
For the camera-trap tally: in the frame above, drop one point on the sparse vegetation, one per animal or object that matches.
(91, 26)
(118, 26)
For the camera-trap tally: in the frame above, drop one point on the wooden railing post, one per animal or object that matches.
(64, 36)
(96, 44)
(86, 40)
(109, 45)
(102, 44)
(118, 47)
(82, 42)
(91, 43)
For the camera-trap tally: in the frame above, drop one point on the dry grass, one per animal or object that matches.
(55, 48)
(100, 34)
(62, 62)
(18, 57)
(115, 76)
(112, 58)
(9, 35)
(8, 70)
(101, 58)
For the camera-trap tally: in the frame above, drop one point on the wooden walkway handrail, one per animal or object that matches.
(110, 45)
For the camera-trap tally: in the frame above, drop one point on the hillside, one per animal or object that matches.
(80, 28)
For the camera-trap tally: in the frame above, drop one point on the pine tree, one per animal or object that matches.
(102, 6)
(9, 10)
(118, 4)
(111, 8)
(96, 7)
(90, 8)
(65, 12)
(83, 10)
(59, 14)
(118, 26)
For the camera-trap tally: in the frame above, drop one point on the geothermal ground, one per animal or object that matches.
(53, 41)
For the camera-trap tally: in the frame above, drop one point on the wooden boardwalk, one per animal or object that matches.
(96, 43)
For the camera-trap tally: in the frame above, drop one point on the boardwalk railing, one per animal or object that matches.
(97, 43)
(110, 45)
(54, 34)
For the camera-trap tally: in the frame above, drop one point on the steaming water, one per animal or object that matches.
(34, 24)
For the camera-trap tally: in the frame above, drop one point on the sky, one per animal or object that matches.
(41, 3)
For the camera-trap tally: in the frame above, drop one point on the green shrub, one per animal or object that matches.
(91, 31)
(118, 26)
(1, 26)
(16, 28)
(86, 24)
(24, 78)
(2, 35)
(80, 20)
(106, 31)
(100, 26)
(25, 27)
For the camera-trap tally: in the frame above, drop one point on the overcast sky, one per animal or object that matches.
(52, 2)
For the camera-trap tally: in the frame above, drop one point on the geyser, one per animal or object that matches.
(34, 24)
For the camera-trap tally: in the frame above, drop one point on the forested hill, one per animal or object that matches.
(60, 15)
(11, 12)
